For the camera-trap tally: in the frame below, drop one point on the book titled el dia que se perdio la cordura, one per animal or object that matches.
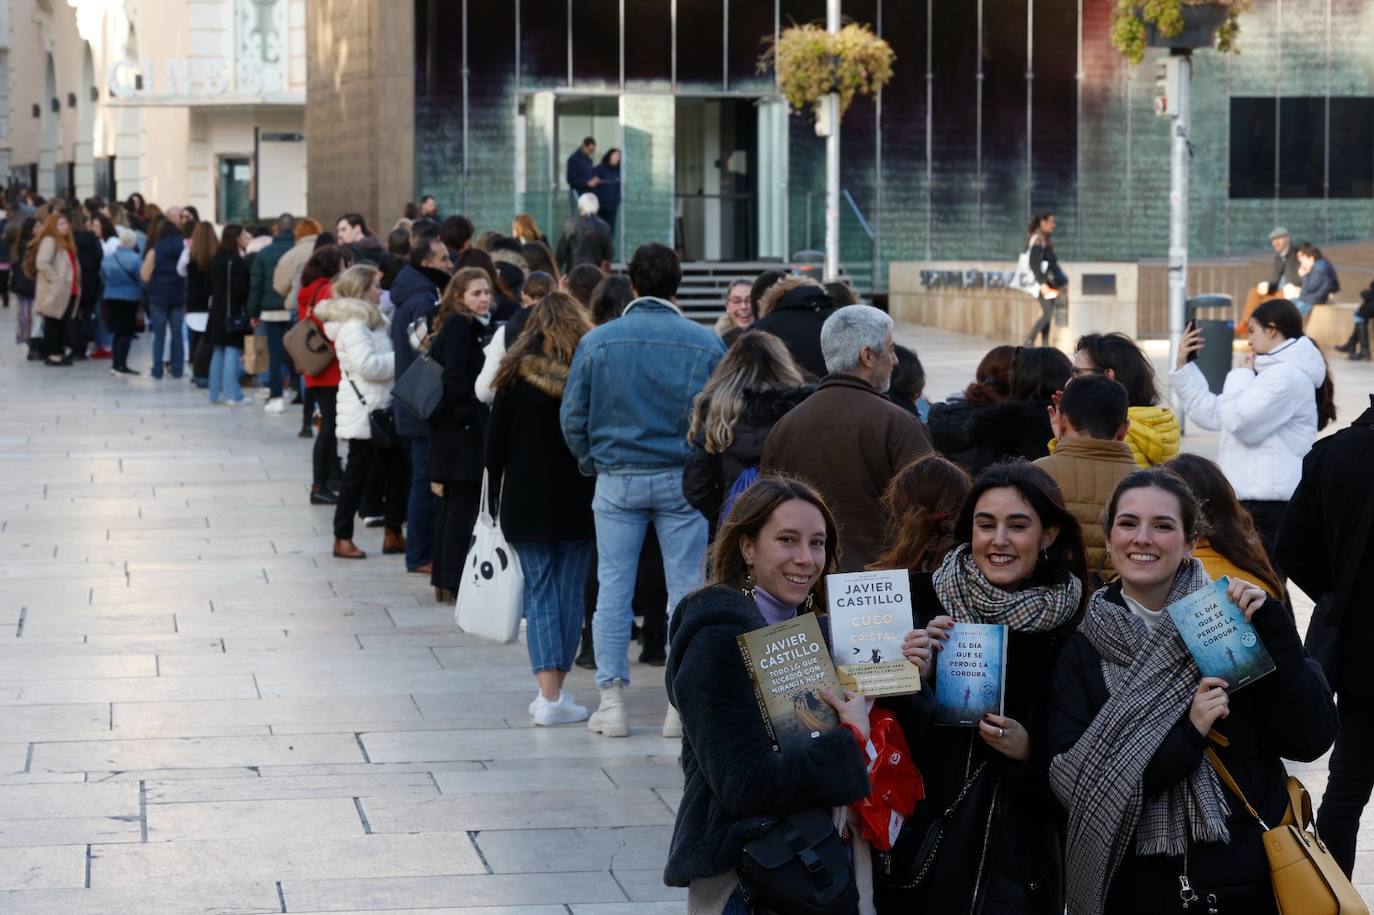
(970, 674)
(870, 614)
(1221, 640)
(789, 664)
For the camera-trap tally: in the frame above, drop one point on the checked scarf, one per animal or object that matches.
(966, 594)
(1151, 678)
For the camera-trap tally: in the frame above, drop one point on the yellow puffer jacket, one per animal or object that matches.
(1153, 435)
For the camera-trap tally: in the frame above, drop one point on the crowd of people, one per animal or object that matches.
(707, 478)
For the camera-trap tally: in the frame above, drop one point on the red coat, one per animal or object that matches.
(329, 378)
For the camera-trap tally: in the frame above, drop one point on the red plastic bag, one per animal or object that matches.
(897, 784)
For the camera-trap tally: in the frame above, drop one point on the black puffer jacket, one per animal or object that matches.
(948, 424)
(1017, 429)
(707, 478)
(1001, 851)
(1288, 714)
(796, 320)
(733, 778)
(457, 428)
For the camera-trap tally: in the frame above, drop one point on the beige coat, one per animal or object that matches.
(1087, 471)
(289, 267)
(53, 280)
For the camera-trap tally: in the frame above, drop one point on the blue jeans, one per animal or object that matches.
(420, 508)
(555, 578)
(276, 354)
(226, 364)
(624, 507)
(168, 318)
(1303, 306)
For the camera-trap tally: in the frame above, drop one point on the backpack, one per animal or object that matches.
(742, 482)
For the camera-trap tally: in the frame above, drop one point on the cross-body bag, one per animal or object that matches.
(306, 344)
(233, 323)
(888, 872)
(380, 422)
(799, 866)
(1306, 878)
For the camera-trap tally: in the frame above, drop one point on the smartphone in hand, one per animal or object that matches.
(1188, 329)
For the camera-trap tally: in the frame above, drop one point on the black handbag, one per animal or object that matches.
(799, 866)
(381, 423)
(913, 855)
(421, 388)
(234, 323)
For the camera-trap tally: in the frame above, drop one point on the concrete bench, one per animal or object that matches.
(1331, 324)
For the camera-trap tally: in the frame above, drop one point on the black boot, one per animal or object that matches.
(1361, 353)
(1352, 343)
(586, 658)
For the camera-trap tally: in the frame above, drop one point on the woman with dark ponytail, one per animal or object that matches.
(1269, 411)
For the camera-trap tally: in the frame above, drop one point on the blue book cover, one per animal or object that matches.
(970, 674)
(1220, 639)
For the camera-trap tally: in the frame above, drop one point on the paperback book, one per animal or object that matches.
(970, 674)
(870, 614)
(789, 664)
(1221, 640)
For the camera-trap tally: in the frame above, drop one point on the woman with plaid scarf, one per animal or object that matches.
(1018, 561)
(1150, 827)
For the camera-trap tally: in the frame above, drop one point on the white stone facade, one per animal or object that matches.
(158, 97)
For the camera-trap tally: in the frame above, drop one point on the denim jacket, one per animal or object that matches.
(629, 394)
(119, 268)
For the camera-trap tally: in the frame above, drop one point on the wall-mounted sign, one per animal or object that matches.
(967, 279)
(192, 78)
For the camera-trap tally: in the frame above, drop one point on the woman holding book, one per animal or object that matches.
(766, 567)
(1150, 826)
(1018, 562)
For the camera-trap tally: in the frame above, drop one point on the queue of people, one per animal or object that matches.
(781, 445)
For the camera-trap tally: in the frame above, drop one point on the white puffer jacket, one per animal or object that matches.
(1267, 417)
(362, 344)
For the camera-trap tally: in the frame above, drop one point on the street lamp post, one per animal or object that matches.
(1179, 73)
(832, 161)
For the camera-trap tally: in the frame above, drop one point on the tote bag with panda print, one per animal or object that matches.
(491, 595)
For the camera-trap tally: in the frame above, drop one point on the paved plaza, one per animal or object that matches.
(202, 711)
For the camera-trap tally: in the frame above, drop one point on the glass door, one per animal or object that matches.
(235, 191)
(648, 125)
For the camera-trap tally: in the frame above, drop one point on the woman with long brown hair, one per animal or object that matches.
(767, 566)
(204, 244)
(921, 503)
(1228, 541)
(458, 425)
(526, 229)
(229, 281)
(545, 503)
(51, 261)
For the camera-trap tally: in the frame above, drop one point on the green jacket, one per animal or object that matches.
(261, 296)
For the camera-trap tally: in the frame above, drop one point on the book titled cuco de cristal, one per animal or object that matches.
(1221, 640)
(970, 674)
(789, 664)
(870, 614)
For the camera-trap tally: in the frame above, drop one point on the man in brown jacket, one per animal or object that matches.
(1090, 458)
(847, 438)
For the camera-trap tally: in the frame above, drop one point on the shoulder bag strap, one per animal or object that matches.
(359, 393)
(1230, 782)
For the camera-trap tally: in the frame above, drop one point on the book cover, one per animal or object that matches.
(970, 674)
(870, 614)
(789, 664)
(1221, 640)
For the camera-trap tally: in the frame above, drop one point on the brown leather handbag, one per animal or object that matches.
(1307, 880)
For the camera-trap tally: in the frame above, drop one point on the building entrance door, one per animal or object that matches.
(716, 182)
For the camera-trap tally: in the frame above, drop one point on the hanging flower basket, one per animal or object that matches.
(1175, 24)
(811, 63)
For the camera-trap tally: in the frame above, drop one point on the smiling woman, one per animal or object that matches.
(1018, 562)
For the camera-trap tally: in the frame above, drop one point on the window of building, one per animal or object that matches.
(235, 197)
(1282, 149)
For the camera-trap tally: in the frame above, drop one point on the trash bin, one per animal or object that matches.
(1214, 316)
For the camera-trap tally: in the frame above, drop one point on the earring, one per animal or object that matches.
(1044, 557)
(810, 601)
(748, 589)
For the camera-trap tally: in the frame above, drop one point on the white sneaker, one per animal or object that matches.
(564, 711)
(275, 405)
(562, 694)
(672, 724)
(241, 402)
(262, 393)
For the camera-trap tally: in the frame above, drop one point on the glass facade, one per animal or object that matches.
(997, 108)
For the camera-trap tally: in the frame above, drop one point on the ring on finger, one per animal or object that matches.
(1001, 732)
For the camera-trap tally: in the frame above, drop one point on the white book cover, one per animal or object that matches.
(870, 615)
